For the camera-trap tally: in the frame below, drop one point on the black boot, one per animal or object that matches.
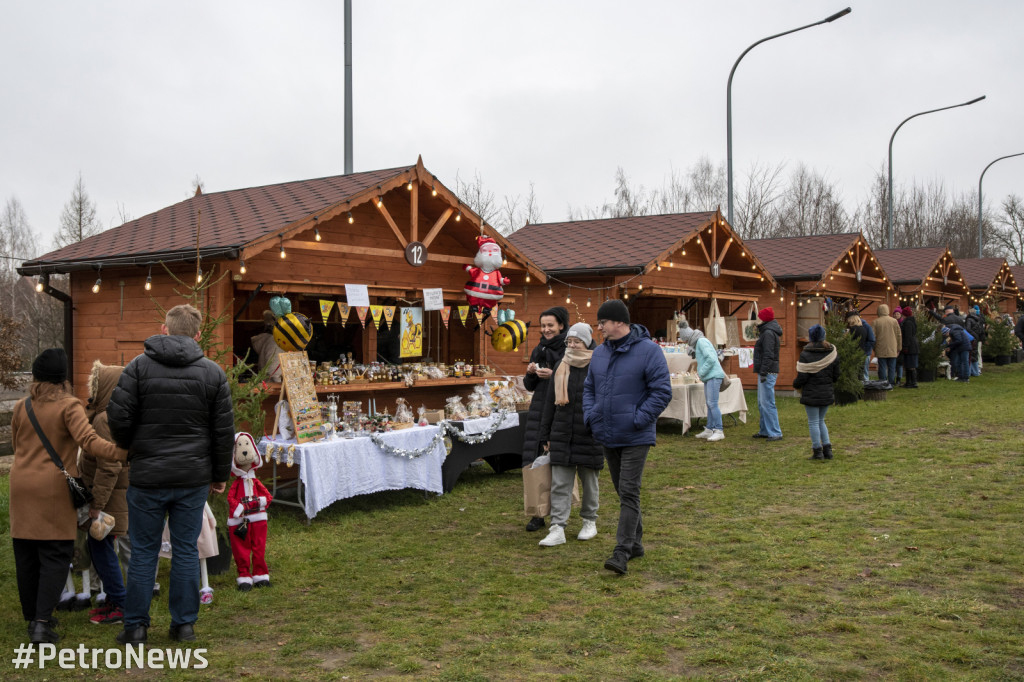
(536, 523)
(826, 450)
(911, 379)
(818, 454)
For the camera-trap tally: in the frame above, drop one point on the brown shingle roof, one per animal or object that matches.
(979, 272)
(801, 257)
(609, 243)
(1018, 274)
(909, 266)
(230, 219)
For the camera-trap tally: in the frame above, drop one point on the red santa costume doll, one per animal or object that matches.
(248, 500)
(484, 288)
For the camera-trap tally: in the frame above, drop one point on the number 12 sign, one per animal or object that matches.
(416, 254)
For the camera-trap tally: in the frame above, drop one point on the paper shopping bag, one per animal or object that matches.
(537, 490)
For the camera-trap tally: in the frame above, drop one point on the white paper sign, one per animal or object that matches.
(357, 295)
(433, 299)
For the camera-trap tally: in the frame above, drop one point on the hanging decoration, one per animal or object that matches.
(494, 313)
(389, 314)
(280, 306)
(411, 327)
(377, 312)
(446, 427)
(463, 313)
(325, 309)
(361, 312)
(485, 285)
(292, 332)
(479, 317)
(446, 312)
(343, 311)
(509, 335)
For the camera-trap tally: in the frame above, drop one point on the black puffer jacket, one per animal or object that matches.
(818, 388)
(172, 411)
(911, 346)
(766, 349)
(572, 443)
(545, 355)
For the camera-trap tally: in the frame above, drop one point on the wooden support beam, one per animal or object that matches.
(725, 250)
(704, 249)
(414, 212)
(384, 253)
(394, 228)
(437, 226)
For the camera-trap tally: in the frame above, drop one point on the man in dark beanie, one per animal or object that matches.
(627, 387)
(51, 366)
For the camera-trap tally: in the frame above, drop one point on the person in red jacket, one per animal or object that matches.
(248, 500)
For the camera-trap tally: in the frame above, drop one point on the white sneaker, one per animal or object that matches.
(716, 435)
(556, 536)
(589, 530)
(706, 433)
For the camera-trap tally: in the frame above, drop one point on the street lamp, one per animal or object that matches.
(1008, 156)
(728, 94)
(922, 113)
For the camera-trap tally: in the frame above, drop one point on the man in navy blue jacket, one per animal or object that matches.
(627, 388)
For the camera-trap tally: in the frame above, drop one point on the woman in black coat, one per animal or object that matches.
(911, 347)
(817, 372)
(553, 324)
(570, 442)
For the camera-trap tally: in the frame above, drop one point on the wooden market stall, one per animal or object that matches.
(991, 281)
(815, 274)
(927, 276)
(657, 265)
(1018, 276)
(394, 232)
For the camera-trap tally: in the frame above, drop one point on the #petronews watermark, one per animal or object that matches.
(86, 658)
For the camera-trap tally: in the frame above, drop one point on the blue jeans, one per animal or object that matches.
(768, 421)
(816, 425)
(626, 465)
(104, 560)
(867, 367)
(712, 387)
(960, 364)
(887, 370)
(147, 508)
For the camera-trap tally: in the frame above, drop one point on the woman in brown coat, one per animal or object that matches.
(109, 482)
(43, 522)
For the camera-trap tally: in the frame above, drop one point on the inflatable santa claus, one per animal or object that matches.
(485, 286)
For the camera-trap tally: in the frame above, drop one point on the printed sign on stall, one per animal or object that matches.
(411, 327)
(433, 299)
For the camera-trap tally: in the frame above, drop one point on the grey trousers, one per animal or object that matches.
(562, 478)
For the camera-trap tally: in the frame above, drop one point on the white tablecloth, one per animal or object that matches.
(334, 470)
(678, 363)
(482, 424)
(688, 403)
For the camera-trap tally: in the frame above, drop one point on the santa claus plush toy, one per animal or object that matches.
(484, 288)
(248, 500)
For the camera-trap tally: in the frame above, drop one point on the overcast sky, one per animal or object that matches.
(140, 97)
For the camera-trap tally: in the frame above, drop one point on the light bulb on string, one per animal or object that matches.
(588, 302)
(199, 275)
(39, 284)
(350, 218)
(316, 231)
(550, 290)
(241, 269)
(409, 186)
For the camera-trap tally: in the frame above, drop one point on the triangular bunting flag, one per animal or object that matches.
(463, 312)
(361, 312)
(494, 313)
(389, 314)
(343, 311)
(325, 309)
(479, 316)
(446, 312)
(377, 311)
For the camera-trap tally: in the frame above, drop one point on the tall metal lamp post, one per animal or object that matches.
(922, 113)
(1008, 156)
(728, 96)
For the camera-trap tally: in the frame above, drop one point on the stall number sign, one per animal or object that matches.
(416, 254)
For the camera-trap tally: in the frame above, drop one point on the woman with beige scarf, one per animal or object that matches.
(569, 440)
(817, 371)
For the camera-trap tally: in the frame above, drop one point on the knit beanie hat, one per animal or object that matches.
(816, 333)
(908, 311)
(945, 330)
(977, 310)
(766, 315)
(583, 332)
(613, 311)
(685, 332)
(51, 366)
(560, 314)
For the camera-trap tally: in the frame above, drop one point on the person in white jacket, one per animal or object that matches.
(710, 371)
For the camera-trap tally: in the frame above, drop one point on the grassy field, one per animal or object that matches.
(901, 559)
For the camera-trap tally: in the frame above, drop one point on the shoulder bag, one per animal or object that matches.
(80, 494)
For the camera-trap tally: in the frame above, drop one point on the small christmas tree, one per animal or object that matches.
(929, 336)
(1000, 339)
(851, 359)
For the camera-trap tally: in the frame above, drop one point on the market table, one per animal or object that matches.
(688, 403)
(337, 469)
(503, 450)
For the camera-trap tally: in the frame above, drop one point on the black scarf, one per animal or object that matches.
(552, 349)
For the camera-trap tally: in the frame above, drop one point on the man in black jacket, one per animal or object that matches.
(172, 411)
